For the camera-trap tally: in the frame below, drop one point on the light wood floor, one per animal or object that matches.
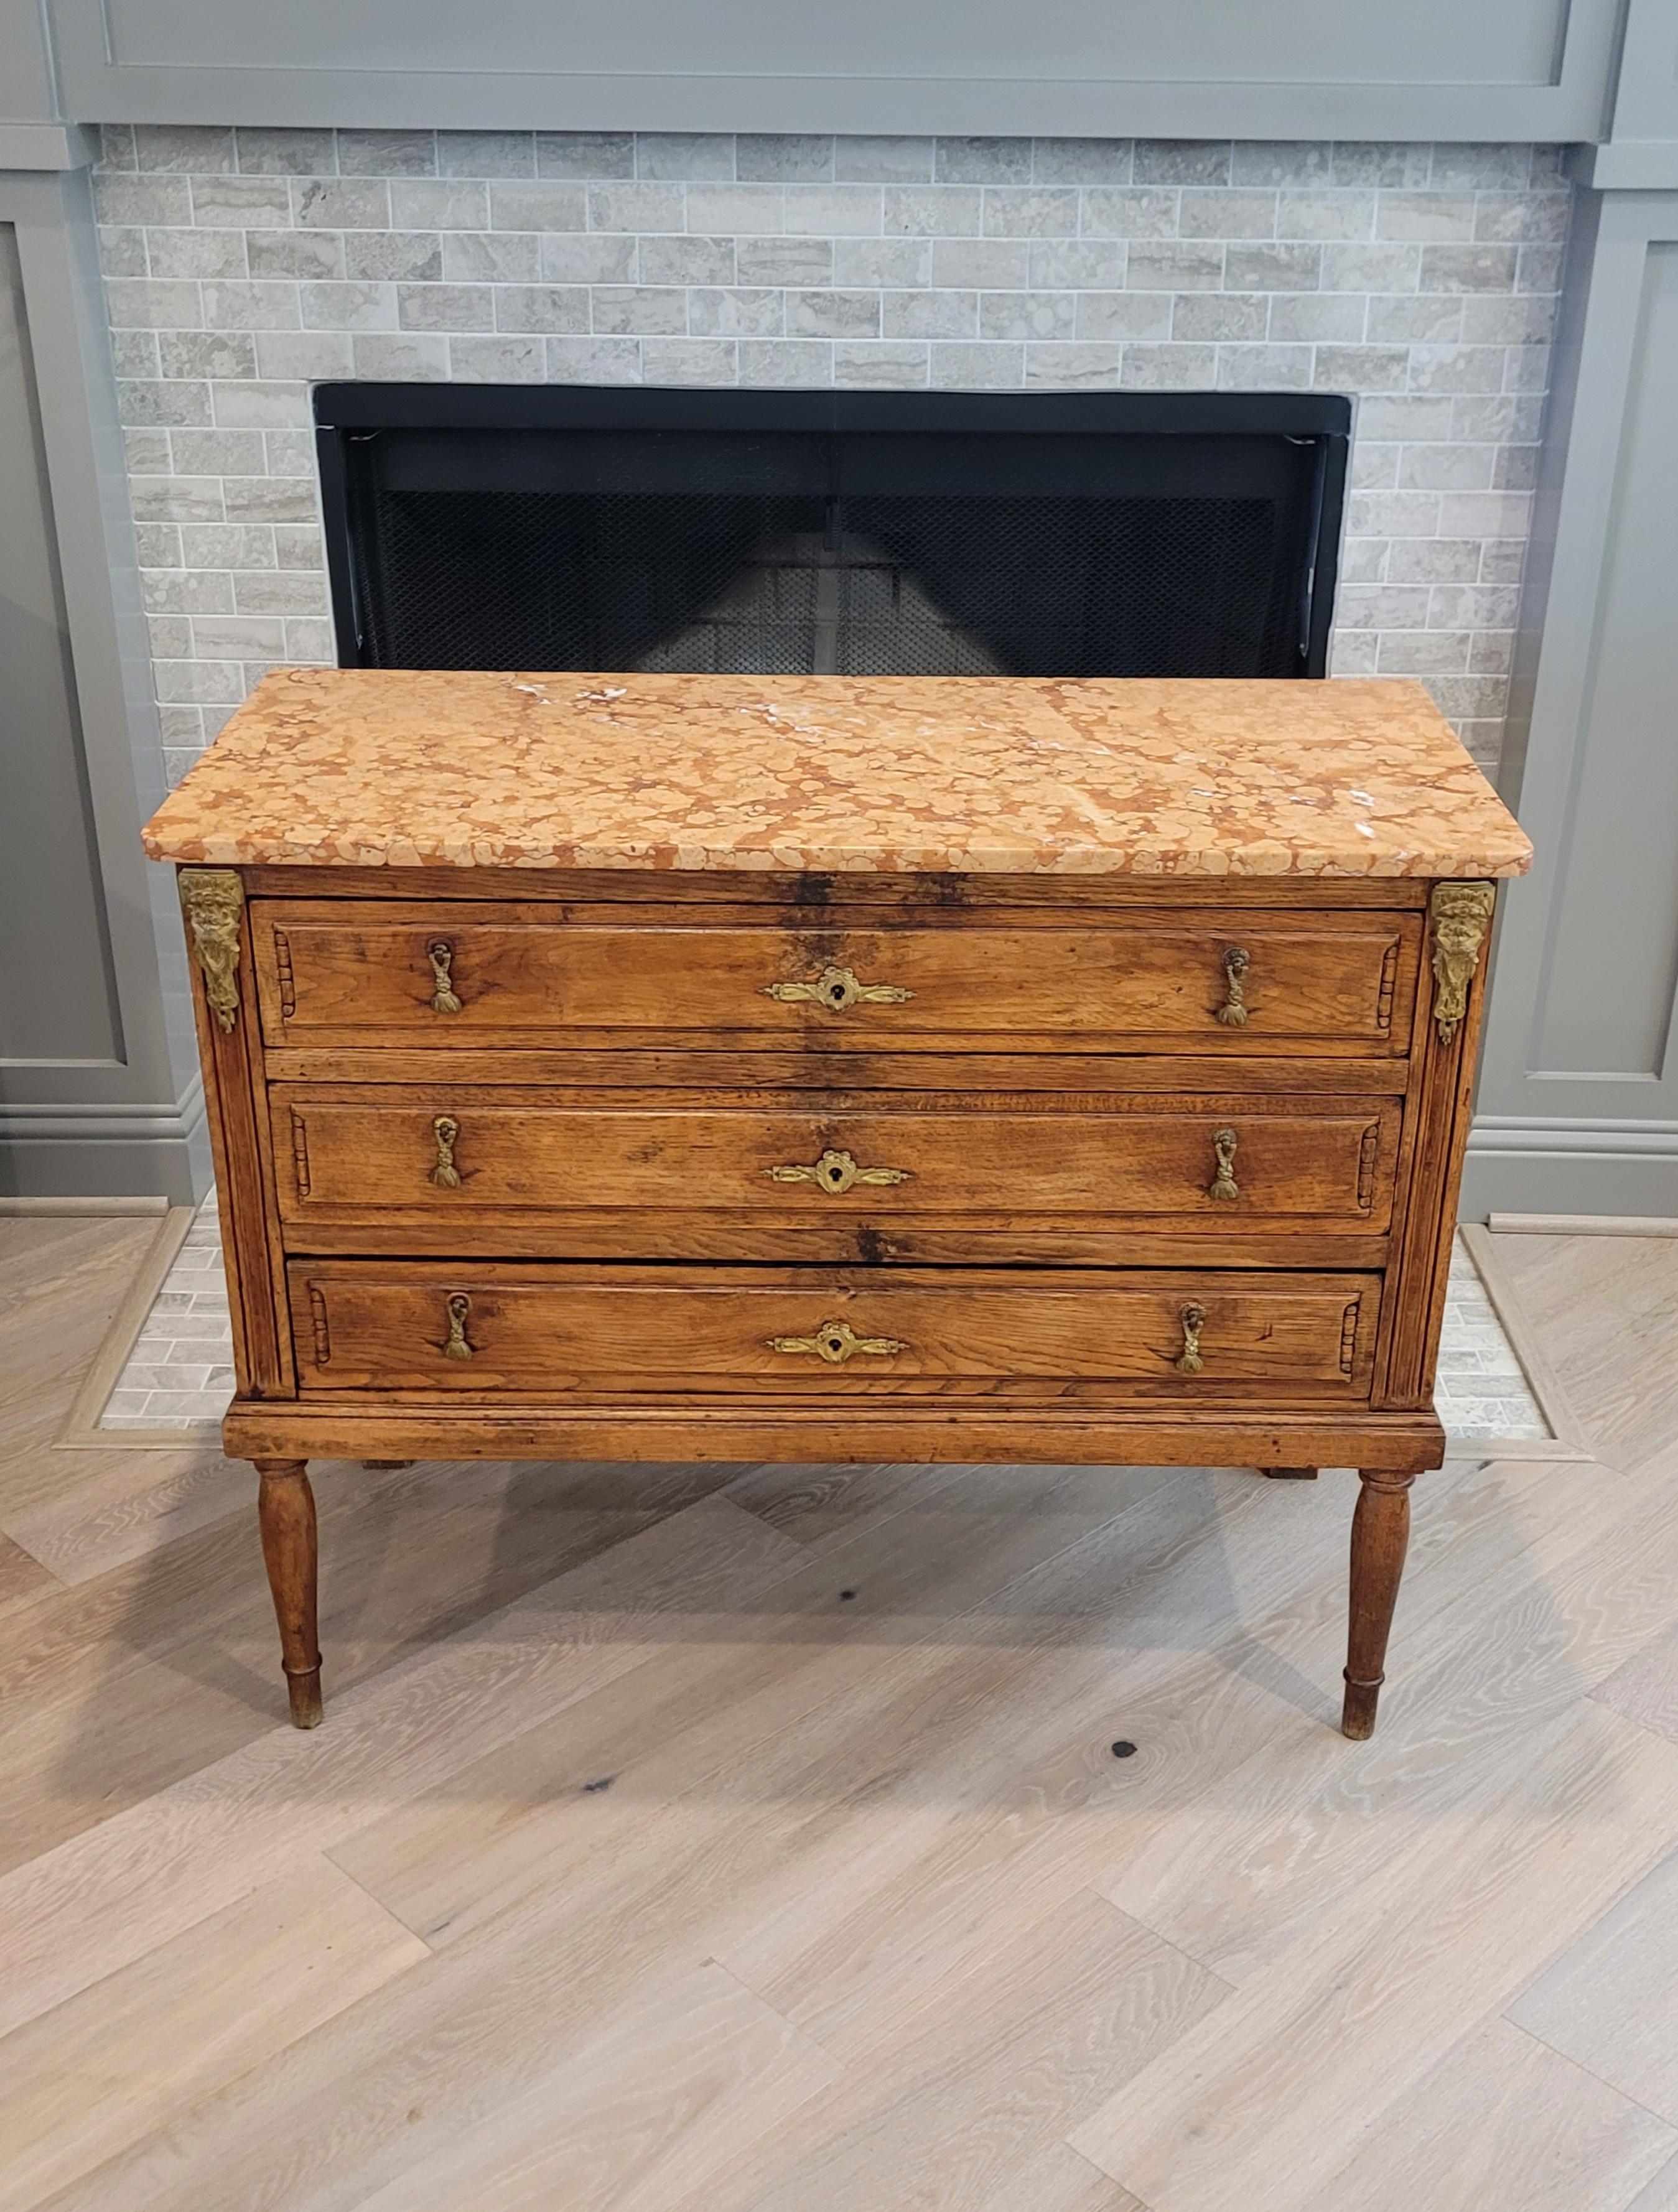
(702, 1840)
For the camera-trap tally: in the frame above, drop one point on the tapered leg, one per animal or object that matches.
(1290, 1473)
(1380, 1533)
(285, 1506)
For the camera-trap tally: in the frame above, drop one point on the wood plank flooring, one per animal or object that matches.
(752, 1839)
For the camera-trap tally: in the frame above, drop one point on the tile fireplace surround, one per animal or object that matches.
(241, 265)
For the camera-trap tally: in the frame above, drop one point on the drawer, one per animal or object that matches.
(446, 974)
(450, 1331)
(466, 1157)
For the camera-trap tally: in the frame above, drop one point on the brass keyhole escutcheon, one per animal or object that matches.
(446, 1176)
(1233, 1012)
(1188, 1361)
(837, 1341)
(836, 1173)
(457, 1308)
(1223, 1183)
(837, 989)
(441, 954)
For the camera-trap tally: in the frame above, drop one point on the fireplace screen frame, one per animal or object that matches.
(345, 412)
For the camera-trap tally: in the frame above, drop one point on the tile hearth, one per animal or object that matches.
(179, 1375)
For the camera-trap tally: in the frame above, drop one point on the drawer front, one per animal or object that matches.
(346, 974)
(1184, 1337)
(469, 1156)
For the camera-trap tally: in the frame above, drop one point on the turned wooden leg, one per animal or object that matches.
(1380, 1533)
(1290, 1473)
(285, 1507)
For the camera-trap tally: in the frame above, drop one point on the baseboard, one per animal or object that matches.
(106, 1150)
(1582, 1225)
(1525, 1165)
(103, 1209)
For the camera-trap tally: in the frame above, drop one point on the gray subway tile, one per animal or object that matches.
(195, 254)
(687, 260)
(1073, 367)
(1050, 213)
(889, 364)
(1080, 264)
(588, 155)
(439, 204)
(1264, 367)
(486, 153)
(322, 355)
(594, 257)
(832, 210)
(1028, 315)
(1325, 214)
(1168, 367)
(882, 160)
(931, 210)
(241, 203)
(1225, 214)
(264, 153)
(1299, 161)
(979, 263)
(399, 357)
(1185, 265)
(829, 314)
(982, 162)
(638, 310)
(194, 148)
(1414, 318)
(593, 361)
(341, 203)
(207, 353)
(628, 207)
(137, 303)
(785, 362)
(360, 306)
(489, 257)
(684, 156)
(689, 361)
(982, 367)
(929, 315)
(732, 312)
(1220, 316)
(1081, 162)
(1126, 315)
(497, 360)
(142, 200)
(723, 211)
(560, 308)
(1181, 161)
(134, 352)
(318, 253)
(1294, 268)
(793, 260)
(451, 307)
(411, 256)
(1131, 214)
(783, 158)
(388, 153)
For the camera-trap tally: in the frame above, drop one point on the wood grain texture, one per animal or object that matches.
(86, 2080)
(772, 1895)
(487, 1330)
(1606, 2003)
(985, 1162)
(1336, 983)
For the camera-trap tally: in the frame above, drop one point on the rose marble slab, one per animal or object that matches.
(992, 775)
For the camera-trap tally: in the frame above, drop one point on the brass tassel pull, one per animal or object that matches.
(442, 956)
(1189, 1361)
(459, 1305)
(446, 1175)
(1233, 1012)
(837, 1341)
(837, 989)
(1224, 1184)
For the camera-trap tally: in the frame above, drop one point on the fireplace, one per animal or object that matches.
(900, 533)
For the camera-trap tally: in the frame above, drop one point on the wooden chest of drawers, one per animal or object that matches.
(883, 1162)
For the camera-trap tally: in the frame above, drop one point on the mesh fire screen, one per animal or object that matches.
(934, 535)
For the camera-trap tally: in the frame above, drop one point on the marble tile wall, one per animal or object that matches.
(241, 265)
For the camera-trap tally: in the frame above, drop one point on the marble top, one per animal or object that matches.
(990, 774)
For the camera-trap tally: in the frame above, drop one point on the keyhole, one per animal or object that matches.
(835, 992)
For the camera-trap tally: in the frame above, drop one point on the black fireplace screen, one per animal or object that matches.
(1110, 534)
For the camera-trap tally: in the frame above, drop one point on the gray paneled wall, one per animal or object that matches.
(59, 1002)
(1578, 1100)
(241, 265)
(96, 1096)
(1509, 68)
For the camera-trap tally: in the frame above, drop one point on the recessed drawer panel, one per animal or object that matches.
(446, 974)
(470, 1157)
(1186, 1337)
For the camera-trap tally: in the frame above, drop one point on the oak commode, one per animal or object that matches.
(811, 1068)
